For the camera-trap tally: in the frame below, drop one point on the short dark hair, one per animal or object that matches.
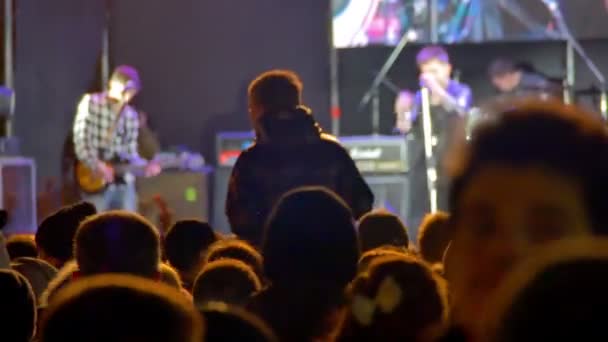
(186, 243)
(276, 90)
(229, 281)
(373, 254)
(238, 250)
(420, 300)
(147, 310)
(564, 139)
(432, 52)
(169, 275)
(18, 313)
(38, 272)
(55, 235)
(128, 76)
(62, 279)
(557, 294)
(380, 228)
(434, 236)
(232, 323)
(501, 67)
(19, 246)
(117, 242)
(311, 236)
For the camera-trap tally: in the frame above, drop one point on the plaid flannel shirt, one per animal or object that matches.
(95, 118)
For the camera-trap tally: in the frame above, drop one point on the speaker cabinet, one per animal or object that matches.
(390, 193)
(18, 188)
(220, 190)
(184, 192)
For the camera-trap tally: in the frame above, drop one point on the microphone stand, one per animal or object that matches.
(372, 94)
(427, 129)
(104, 67)
(573, 43)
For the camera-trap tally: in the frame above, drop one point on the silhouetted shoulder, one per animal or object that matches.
(333, 143)
(329, 137)
(249, 151)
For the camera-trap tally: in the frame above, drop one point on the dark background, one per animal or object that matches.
(57, 49)
(195, 58)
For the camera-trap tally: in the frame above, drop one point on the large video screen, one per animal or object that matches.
(358, 23)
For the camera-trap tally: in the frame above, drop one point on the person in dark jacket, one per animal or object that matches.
(290, 151)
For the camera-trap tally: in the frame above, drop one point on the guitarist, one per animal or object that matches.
(449, 102)
(105, 130)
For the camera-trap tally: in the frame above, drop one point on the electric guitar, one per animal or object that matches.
(92, 182)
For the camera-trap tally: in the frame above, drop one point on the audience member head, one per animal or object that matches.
(229, 323)
(236, 249)
(557, 295)
(505, 74)
(170, 276)
(381, 228)
(310, 237)
(274, 91)
(117, 242)
(229, 281)
(64, 276)
(120, 308)
(310, 254)
(18, 307)
(434, 60)
(186, 243)
(373, 254)
(55, 235)
(39, 273)
(532, 175)
(434, 237)
(399, 298)
(19, 246)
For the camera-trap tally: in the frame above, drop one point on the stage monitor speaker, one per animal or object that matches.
(184, 192)
(390, 193)
(18, 188)
(220, 189)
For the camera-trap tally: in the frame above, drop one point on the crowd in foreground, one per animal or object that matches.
(519, 256)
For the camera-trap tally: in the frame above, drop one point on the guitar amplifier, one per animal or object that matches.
(18, 189)
(229, 146)
(391, 193)
(184, 192)
(380, 154)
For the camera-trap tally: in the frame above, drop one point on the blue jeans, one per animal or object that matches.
(115, 197)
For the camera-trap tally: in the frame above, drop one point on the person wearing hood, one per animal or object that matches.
(291, 150)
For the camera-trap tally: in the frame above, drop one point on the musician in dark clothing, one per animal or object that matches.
(449, 103)
(148, 144)
(290, 151)
(511, 78)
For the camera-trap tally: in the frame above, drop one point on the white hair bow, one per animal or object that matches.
(387, 299)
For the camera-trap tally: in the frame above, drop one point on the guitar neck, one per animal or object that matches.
(182, 161)
(138, 169)
(129, 168)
